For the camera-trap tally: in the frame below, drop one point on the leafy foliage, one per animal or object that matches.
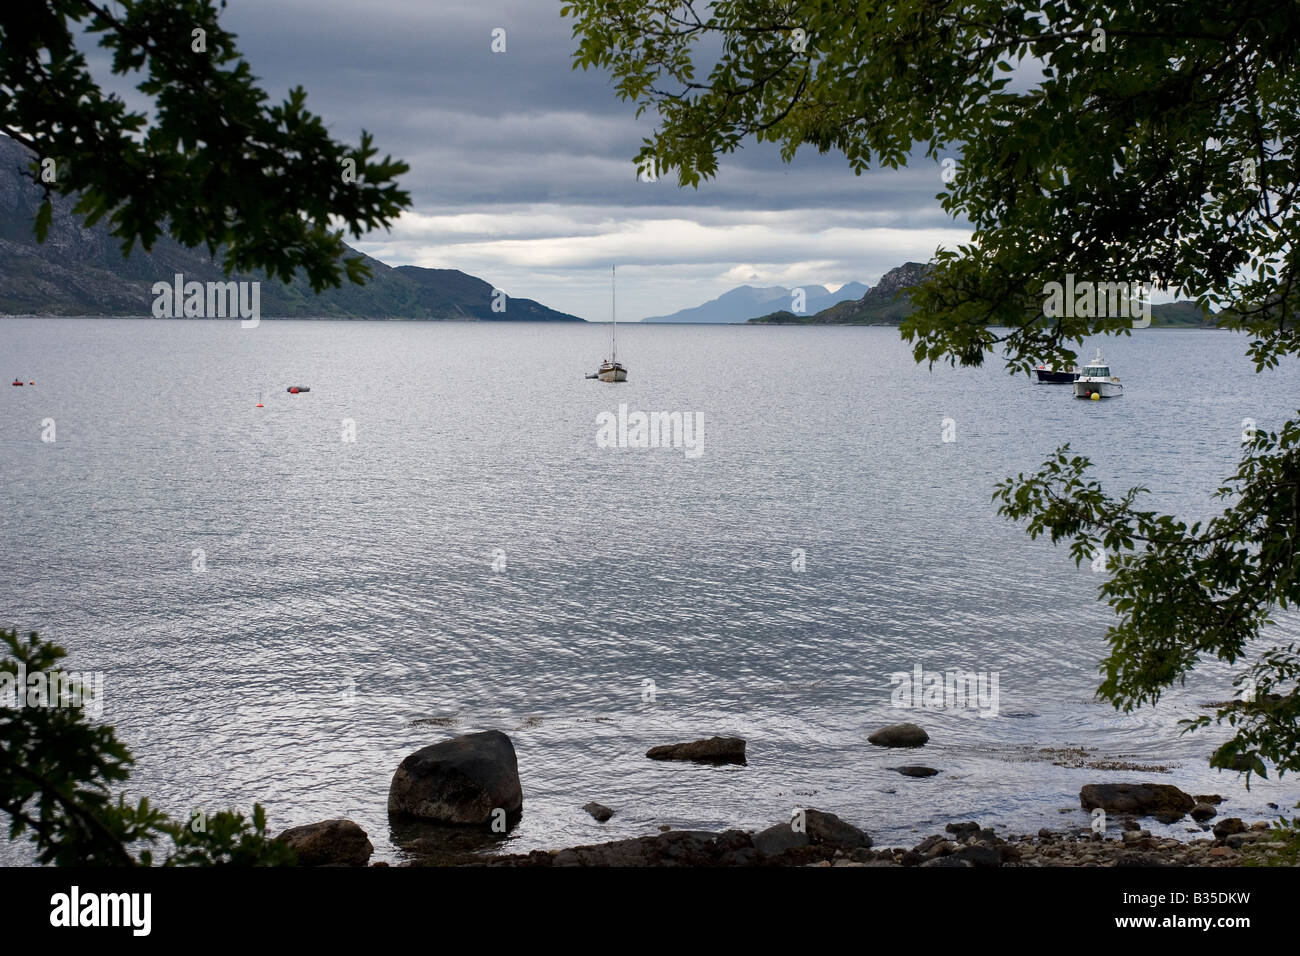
(56, 773)
(218, 167)
(1284, 831)
(1144, 141)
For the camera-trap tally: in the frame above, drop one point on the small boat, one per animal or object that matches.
(18, 382)
(296, 389)
(611, 370)
(1055, 376)
(1095, 381)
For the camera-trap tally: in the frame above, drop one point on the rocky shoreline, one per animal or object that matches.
(452, 802)
(828, 841)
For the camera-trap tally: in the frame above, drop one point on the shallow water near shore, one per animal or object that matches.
(349, 611)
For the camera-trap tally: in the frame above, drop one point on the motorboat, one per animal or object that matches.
(1055, 376)
(1094, 381)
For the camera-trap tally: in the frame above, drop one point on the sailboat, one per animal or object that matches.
(611, 370)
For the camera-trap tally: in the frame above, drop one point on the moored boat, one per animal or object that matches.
(611, 370)
(1095, 381)
(1055, 376)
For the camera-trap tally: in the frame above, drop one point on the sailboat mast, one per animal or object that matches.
(613, 317)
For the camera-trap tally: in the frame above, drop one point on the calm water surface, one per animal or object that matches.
(350, 612)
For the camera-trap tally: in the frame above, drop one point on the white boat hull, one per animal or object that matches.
(612, 375)
(1084, 388)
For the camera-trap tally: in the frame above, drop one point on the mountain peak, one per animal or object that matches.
(81, 271)
(746, 302)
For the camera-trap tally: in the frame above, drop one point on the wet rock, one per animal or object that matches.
(330, 843)
(1203, 811)
(978, 855)
(1161, 800)
(1213, 798)
(947, 861)
(934, 846)
(464, 780)
(776, 840)
(1226, 827)
(916, 771)
(426, 843)
(963, 830)
(715, 750)
(599, 811)
(899, 735)
(1142, 859)
(1238, 840)
(675, 848)
(826, 829)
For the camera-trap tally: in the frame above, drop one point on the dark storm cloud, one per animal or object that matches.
(522, 172)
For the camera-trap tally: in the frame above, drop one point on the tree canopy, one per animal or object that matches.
(58, 768)
(262, 186)
(1149, 141)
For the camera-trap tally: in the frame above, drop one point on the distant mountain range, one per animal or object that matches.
(80, 271)
(748, 302)
(888, 303)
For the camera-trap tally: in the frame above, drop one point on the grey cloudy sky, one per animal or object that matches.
(522, 172)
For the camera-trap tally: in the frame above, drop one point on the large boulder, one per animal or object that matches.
(777, 839)
(818, 828)
(713, 750)
(1225, 828)
(330, 843)
(899, 735)
(1161, 800)
(826, 829)
(464, 780)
